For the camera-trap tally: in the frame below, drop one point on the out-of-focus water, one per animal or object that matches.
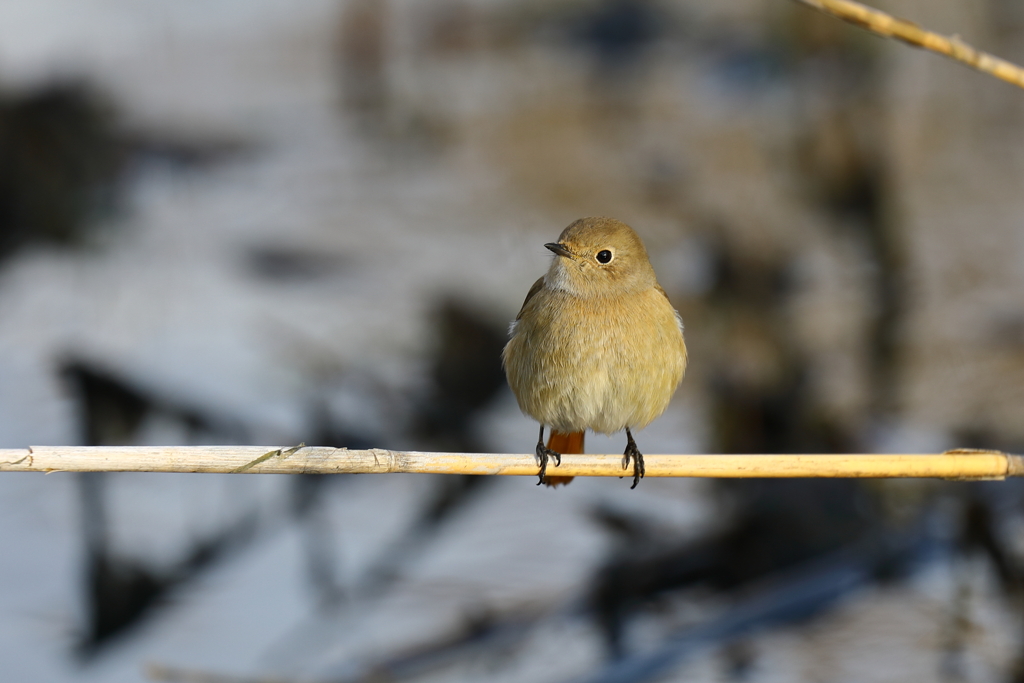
(304, 188)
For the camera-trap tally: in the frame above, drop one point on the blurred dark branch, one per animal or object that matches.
(791, 598)
(486, 632)
(121, 591)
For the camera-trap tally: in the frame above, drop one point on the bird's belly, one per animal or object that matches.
(590, 375)
(584, 401)
(603, 399)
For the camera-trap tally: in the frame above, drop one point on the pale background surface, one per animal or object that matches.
(484, 149)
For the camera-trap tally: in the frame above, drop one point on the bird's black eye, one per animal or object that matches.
(604, 256)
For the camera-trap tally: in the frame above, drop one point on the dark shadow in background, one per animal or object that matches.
(60, 162)
(64, 160)
(121, 591)
(465, 377)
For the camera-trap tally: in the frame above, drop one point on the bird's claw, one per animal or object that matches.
(633, 453)
(543, 453)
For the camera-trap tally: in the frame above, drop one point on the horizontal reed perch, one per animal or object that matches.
(956, 464)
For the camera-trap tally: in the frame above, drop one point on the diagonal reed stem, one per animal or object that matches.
(907, 31)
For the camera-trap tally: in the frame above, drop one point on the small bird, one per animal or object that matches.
(596, 345)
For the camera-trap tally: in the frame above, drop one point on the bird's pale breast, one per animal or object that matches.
(596, 363)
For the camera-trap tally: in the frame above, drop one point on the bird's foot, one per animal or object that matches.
(633, 453)
(543, 453)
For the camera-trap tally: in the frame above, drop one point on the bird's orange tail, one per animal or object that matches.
(566, 444)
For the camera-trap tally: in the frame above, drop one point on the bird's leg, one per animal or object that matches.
(638, 459)
(543, 453)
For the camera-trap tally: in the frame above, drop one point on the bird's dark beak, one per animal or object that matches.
(558, 249)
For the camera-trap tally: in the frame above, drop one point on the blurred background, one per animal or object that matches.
(270, 222)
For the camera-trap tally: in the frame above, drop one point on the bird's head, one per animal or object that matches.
(596, 257)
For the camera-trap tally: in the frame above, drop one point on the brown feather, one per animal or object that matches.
(537, 286)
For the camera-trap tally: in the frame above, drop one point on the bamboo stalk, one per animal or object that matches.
(889, 26)
(957, 464)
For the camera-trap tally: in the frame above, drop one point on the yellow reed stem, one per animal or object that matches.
(958, 464)
(907, 31)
